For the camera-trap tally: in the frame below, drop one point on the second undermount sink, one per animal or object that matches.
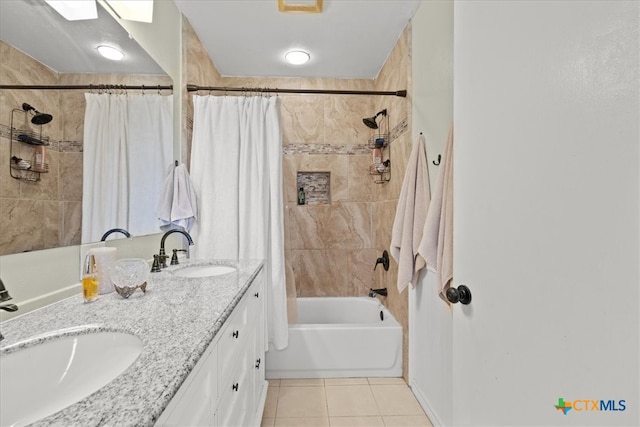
(204, 270)
(40, 380)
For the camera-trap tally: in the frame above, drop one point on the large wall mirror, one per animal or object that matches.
(39, 47)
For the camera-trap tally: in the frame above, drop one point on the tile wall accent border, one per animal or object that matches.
(347, 149)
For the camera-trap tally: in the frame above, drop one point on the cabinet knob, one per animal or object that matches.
(258, 364)
(235, 334)
(235, 387)
(257, 294)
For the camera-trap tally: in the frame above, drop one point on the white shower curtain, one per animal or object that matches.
(128, 143)
(236, 169)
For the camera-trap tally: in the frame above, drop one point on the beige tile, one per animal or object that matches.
(274, 383)
(345, 381)
(356, 422)
(386, 381)
(396, 400)
(302, 382)
(301, 401)
(267, 422)
(302, 422)
(406, 420)
(271, 402)
(351, 400)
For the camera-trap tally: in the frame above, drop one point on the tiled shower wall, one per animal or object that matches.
(48, 213)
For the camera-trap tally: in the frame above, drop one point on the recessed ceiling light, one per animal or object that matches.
(110, 52)
(297, 57)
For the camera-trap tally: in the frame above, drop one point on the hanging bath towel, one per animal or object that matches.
(436, 247)
(411, 214)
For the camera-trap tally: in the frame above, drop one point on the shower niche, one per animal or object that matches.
(315, 188)
(28, 152)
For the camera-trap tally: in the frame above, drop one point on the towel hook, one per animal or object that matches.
(437, 162)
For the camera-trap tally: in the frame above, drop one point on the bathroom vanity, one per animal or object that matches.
(202, 356)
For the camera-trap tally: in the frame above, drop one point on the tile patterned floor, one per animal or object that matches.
(342, 402)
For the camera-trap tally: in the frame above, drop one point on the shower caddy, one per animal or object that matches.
(380, 140)
(23, 144)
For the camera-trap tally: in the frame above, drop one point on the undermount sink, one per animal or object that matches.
(204, 271)
(42, 379)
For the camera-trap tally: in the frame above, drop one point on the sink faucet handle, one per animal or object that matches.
(174, 257)
(155, 268)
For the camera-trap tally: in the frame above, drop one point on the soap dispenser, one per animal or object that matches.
(90, 280)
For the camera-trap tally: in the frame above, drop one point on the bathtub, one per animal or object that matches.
(339, 337)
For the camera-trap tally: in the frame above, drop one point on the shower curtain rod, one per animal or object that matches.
(194, 88)
(87, 87)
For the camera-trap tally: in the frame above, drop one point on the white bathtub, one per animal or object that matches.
(339, 337)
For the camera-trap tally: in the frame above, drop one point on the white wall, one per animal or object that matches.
(430, 330)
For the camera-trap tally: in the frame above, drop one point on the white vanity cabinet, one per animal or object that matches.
(227, 387)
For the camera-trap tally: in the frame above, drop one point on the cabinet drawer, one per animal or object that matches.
(236, 391)
(256, 297)
(236, 329)
(233, 335)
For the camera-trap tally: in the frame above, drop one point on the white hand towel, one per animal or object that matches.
(184, 209)
(436, 247)
(411, 214)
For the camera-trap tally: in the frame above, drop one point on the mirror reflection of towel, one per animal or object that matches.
(178, 206)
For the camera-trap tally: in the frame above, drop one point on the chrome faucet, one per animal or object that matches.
(160, 260)
(4, 296)
(114, 230)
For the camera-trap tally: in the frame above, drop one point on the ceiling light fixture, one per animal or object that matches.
(297, 57)
(75, 10)
(305, 6)
(110, 52)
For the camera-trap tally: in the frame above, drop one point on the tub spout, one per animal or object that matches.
(382, 292)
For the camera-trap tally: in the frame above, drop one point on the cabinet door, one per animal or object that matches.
(194, 403)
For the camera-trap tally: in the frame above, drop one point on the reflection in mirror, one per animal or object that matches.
(48, 213)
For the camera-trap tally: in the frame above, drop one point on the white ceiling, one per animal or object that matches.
(349, 39)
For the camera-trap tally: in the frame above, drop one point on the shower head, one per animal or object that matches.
(371, 121)
(38, 117)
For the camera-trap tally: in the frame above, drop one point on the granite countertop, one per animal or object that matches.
(176, 319)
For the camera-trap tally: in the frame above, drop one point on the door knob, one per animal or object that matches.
(461, 294)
